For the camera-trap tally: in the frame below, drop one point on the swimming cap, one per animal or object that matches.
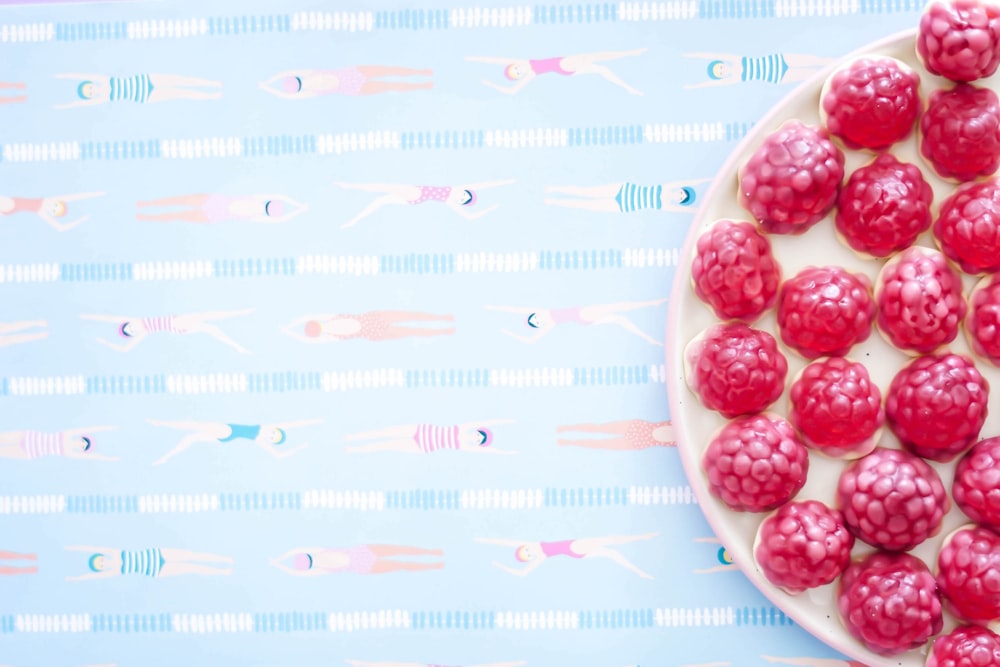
(291, 84)
(281, 435)
(80, 92)
(523, 553)
(724, 556)
(92, 563)
(274, 208)
(712, 74)
(87, 443)
(689, 196)
(314, 329)
(487, 437)
(122, 332)
(303, 562)
(530, 323)
(472, 198)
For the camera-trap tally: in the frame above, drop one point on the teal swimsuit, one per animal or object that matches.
(131, 88)
(632, 197)
(147, 562)
(241, 431)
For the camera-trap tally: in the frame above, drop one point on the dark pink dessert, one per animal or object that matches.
(837, 408)
(936, 405)
(791, 182)
(756, 463)
(968, 227)
(825, 311)
(960, 132)
(965, 646)
(734, 271)
(892, 499)
(982, 325)
(889, 602)
(977, 483)
(735, 369)
(884, 207)
(960, 40)
(872, 102)
(969, 574)
(803, 545)
(919, 297)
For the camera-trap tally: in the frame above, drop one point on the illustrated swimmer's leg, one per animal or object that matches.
(631, 305)
(599, 205)
(13, 570)
(169, 80)
(594, 192)
(385, 200)
(195, 201)
(611, 77)
(407, 446)
(388, 70)
(378, 87)
(17, 99)
(180, 426)
(390, 550)
(603, 56)
(184, 444)
(405, 431)
(395, 332)
(384, 566)
(620, 444)
(217, 333)
(414, 316)
(617, 428)
(621, 560)
(806, 60)
(12, 451)
(15, 327)
(166, 94)
(176, 569)
(185, 556)
(195, 215)
(623, 539)
(224, 314)
(15, 85)
(22, 338)
(629, 326)
(13, 555)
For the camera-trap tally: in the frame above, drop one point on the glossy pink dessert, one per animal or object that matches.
(825, 311)
(960, 39)
(982, 325)
(969, 574)
(960, 132)
(968, 227)
(965, 646)
(976, 488)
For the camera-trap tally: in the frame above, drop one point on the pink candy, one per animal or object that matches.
(977, 483)
(965, 646)
(969, 574)
(825, 311)
(960, 40)
(961, 132)
(968, 227)
(982, 325)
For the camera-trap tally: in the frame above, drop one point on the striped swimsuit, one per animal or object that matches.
(146, 562)
(431, 438)
(770, 69)
(130, 88)
(632, 197)
(163, 323)
(37, 445)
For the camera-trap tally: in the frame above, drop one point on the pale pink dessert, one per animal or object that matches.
(825, 311)
(960, 132)
(969, 573)
(960, 39)
(982, 324)
(968, 227)
(965, 646)
(976, 488)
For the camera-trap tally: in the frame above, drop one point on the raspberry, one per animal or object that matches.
(960, 40)
(961, 132)
(968, 227)
(736, 370)
(825, 311)
(977, 483)
(982, 325)
(803, 545)
(734, 271)
(871, 102)
(791, 182)
(969, 573)
(889, 602)
(756, 463)
(965, 646)
(936, 405)
(837, 408)
(892, 499)
(884, 207)
(920, 304)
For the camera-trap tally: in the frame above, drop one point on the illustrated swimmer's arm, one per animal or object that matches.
(93, 550)
(73, 432)
(282, 452)
(499, 543)
(509, 90)
(484, 186)
(61, 226)
(491, 61)
(120, 347)
(384, 200)
(367, 187)
(528, 339)
(295, 208)
(518, 572)
(471, 215)
(106, 574)
(117, 319)
(494, 422)
(296, 573)
(512, 309)
(79, 196)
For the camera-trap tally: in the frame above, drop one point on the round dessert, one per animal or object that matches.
(892, 499)
(734, 271)
(919, 298)
(960, 40)
(976, 488)
(803, 545)
(836, 408)
(960, 132)
(968, 227)
(735, 369)
(871, 102)
(825, 311)
(883, 207)
(965, 646)
(982, 324)
(889, 602)
(791, 182)
(937, 405)
(969, 574)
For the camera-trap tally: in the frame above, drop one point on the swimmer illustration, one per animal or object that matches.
(107, 562)
(362, 663)
(536, 553)
(206, 209)
(13, 563)
(676, 196)
(376, 326)
(726, 68)
(16, 333)
(722, 557)
(133, 330)
(94, 89)
(522, 71)
(49, 209)
(625, 435)
(360, 559)
(540, 321)
(76, 443)
(471, 437)
(15, 97)
(813, 662)
(458, 198)
(272, 438)
(351, 81)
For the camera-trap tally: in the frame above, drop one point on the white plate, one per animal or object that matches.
(694, 425)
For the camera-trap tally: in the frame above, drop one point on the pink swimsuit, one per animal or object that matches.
(561, 548)
(38, 445)
(548, 66)
(431, 193)
(431, 438)
(640, 434)
(24, 205)
(360, 560)
(163, 323)
(565, 315)
(374, 326)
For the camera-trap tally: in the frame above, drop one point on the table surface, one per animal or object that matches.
(219, 234)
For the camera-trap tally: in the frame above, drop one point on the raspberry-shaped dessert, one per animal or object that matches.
(960, 40)
(837, 408)
(756, 463)
(735, 369)
(871, 102)
(803, 545)
(892, 499)
(791, 182)
(734, 271)
(982, 325)
(825, 311)
(969, 573)
(889, 602)
(884, 206)
(919, 297)
(960, 132)
(977, 483)
(965, 646)
(968, 227)
(936, 405)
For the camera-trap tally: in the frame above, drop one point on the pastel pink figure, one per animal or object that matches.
(351, 81)
(134, 330)
(726, 68)
(49, 209)
(207, 209)
(721, 556)
(536, 553)
(541, 321)
(363, 663)
(13, 563)
(471, 437)
(375, 326)
(458, 198)
(625, 435)
(155, 563)
(522, 72)
(814, 662)
(674, 196)
(16, 333)
(15, 98)
(94, 89)
(272, 438)
(74, 443)
(360, 559)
